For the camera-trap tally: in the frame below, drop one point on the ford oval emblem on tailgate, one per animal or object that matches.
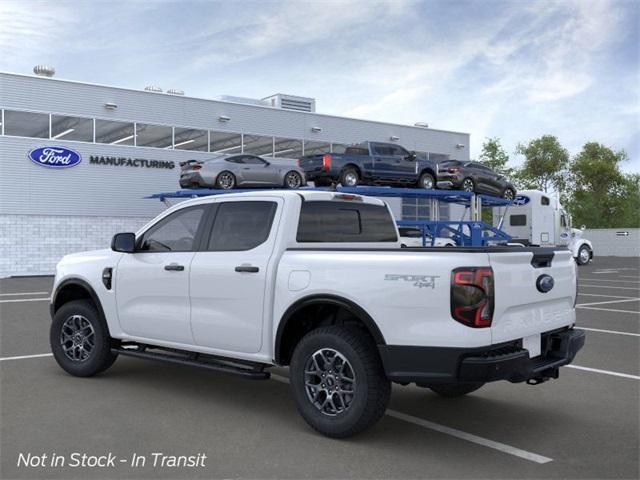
(55, 157)
(544, 283)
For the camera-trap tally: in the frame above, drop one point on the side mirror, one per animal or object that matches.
(412, 156)
(124, 242)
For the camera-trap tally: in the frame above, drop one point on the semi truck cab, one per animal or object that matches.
(538, 219)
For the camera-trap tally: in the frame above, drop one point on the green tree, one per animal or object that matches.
(494, 156)
(545, 164)
(600, 195)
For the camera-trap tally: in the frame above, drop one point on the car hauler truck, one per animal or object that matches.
(536, 218)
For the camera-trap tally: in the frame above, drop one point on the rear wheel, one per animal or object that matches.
(338, 381)
(349, 177)
(468, 185)
(80, 340)
(456, 389)
(584, 255)
(293, 179)
(427, 181)
(226, 180)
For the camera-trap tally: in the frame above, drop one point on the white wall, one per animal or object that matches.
(33, 244)
(608, 242)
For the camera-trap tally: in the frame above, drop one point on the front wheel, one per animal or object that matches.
(584, 255)
(293, 180)
(427, 181)
(509, 194)
(338, 381)
(80, 340)
(455, 389)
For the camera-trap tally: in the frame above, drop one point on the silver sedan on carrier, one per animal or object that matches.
(241, 170)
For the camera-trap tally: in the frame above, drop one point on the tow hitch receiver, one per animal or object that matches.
(545, 377)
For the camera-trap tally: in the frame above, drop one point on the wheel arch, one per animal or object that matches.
(354, 166)
(293, 324)
(74, 289)
(430, 171)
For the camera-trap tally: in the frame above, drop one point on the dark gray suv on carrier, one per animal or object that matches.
(474, 177)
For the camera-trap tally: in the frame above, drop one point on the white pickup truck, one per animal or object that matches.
(316, 281)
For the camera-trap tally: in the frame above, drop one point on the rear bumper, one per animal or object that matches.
(192, 179)
(509, 361)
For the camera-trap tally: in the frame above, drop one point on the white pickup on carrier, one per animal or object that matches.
(316, 281)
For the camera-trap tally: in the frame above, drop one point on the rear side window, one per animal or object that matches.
(518, 220)
(335, 221)
(356, 151)
(241, 226)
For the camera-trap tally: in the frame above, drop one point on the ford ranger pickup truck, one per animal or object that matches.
(316, 281)
(371, 163)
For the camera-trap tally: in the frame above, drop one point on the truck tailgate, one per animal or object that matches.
(521, 309)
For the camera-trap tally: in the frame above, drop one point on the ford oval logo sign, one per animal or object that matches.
(55, 157)
(544, 283)
(521, 200)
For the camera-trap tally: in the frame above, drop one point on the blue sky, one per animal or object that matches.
(514, 69)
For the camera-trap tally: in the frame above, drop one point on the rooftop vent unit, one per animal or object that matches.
(153, 88)
(291, 102)
(175, 91)
(44, 71)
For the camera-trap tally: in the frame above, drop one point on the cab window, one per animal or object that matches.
(241, 226)
(174, 233)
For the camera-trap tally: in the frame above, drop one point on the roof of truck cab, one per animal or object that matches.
(306, 195)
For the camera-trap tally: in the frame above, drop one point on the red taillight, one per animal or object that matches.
(453, 170)
(326, 161)
(472, 296)
(299, 162)
(196, 167)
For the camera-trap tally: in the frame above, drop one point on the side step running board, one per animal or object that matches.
(252, 372)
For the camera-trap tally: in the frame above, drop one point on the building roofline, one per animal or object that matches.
(231, 103)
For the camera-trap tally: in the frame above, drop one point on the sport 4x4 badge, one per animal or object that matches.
(417, 280)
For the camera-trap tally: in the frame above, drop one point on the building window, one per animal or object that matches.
(71, 128)
(258, 145)
(314, 148)
(415, 209)
(26, 124)
(190, 139)
(225, 142)
(157, 136)
(114, 133)
(287, 148)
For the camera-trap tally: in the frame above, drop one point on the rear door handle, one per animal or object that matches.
(174, 267)
(247, 268)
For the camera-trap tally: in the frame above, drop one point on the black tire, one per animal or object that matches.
(584, 255)
(508, 194)
(349, 177)
(426, 179)
(455, 389)
(371, 387)
(223, 183)
(100, 357)
(468, 185)
(288, 180)
(322, 182)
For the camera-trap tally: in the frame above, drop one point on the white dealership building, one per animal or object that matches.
(128, 145)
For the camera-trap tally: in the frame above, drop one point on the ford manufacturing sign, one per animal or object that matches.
(55, 157)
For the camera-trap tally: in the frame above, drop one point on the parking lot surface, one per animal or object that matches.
(586, 424)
